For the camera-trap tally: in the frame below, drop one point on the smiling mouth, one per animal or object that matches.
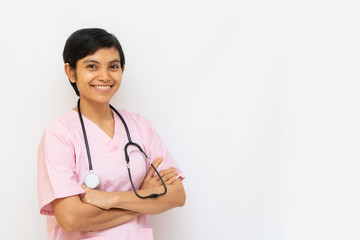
(102, 87)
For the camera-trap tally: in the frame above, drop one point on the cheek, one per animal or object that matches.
(118, 77)
(83, 78)
(117, 86)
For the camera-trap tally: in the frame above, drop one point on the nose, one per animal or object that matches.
(104, 75)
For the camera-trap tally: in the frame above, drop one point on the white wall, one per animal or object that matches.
(257, 101)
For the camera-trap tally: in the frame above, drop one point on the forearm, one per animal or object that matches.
(94, 218)
(79, 216)
(175, 197)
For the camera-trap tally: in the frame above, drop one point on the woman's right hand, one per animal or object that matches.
(96, 197)
(168, 175)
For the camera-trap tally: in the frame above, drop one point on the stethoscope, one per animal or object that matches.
(93, 181)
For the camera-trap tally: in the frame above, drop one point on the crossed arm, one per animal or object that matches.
(98, 210)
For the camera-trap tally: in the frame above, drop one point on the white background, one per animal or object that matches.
(258, 101)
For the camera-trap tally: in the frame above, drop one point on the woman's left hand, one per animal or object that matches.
(96, 197)
(168, 175)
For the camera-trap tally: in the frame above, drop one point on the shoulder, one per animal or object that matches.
(62, 125)
(59, 134)
(134, 118)
(137, 123)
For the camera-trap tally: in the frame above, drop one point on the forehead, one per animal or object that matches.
(103, 55)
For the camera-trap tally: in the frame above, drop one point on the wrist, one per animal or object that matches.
(114, 200)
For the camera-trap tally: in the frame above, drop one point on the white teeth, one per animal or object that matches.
(103, 87)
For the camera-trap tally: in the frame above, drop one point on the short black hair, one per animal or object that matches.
(87, 41)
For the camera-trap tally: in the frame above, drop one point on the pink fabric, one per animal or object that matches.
(63, 165)
(146, 234)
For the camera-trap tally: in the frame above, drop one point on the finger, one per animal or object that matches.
(169, 175)
(85, 187)
(171, 180)
(164, 173)
(167, 171)
(156, 163)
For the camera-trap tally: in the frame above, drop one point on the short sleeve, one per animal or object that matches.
(157, 148)
(56, 166)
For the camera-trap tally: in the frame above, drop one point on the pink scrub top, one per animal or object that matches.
(63, 166)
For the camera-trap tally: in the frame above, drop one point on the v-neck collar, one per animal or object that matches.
(116, 120)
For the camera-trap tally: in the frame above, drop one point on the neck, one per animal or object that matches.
(96, 112)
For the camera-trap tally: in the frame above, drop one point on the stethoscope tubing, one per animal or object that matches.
(85, 136)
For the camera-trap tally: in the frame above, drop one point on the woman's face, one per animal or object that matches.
(98, 76)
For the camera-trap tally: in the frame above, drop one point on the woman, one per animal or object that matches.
(94, 63)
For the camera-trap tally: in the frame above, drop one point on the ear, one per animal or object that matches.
(123, 68)
(70, 72)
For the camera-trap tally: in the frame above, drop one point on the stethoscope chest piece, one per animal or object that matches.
(92, 180)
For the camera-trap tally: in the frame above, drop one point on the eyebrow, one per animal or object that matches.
(94, 61)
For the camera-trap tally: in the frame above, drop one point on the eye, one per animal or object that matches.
(114, 66)
(91, 66)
